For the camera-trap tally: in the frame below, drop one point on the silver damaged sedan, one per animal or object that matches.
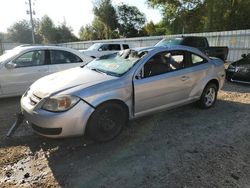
(99, 98)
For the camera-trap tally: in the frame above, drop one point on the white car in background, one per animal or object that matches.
(21, 66)
(101, 49)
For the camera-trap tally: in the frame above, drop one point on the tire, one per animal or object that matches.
(229, 77)
(208, 97)
(106, 122)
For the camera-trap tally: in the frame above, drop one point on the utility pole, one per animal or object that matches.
(1, 46)
(30, 12)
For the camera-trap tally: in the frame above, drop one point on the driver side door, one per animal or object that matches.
(25, 70)
(165, 86)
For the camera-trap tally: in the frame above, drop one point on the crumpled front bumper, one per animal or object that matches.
(57, 124)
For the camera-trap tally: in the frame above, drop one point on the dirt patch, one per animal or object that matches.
(185, 147)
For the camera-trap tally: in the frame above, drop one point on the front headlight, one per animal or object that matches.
(231, 68)
(60, 103)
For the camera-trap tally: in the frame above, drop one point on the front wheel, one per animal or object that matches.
(209, 96)
(106, 122)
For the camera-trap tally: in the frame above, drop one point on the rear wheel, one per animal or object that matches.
(209, 96)
(106, 122)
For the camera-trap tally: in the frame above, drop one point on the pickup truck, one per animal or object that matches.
(198, 42)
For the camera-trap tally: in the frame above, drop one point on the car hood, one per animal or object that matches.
(61, 81)
(87, 52)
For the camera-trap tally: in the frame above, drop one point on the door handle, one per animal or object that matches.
(184, 78)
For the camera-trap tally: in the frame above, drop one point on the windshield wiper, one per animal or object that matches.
(97, 70)
(104, 72)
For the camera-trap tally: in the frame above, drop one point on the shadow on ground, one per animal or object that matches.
(236, 87)
(185, 147)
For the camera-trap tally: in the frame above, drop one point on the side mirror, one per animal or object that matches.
(244, 55)
(140, 74)
(10, 65)
(100, 49)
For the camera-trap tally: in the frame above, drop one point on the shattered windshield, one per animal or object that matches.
(116, 64)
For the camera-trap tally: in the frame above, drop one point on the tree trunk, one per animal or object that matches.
(210, 14)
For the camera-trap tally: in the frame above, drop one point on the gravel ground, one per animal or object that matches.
(184, 147)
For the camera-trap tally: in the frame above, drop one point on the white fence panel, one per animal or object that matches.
(7, 46)
(238, 41)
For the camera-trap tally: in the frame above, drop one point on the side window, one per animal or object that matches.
(61, 57)
(125, 46)
(176, 60)
(104, 47)
(114, 47)
(194, 42)
(197, 60)
(33, 58)
(164, 62)
(189, 42)
(200, 42)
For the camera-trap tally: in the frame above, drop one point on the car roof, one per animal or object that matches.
(26, 48)
(172, 47)
(111, 43)
(44, 47)
(33, 47)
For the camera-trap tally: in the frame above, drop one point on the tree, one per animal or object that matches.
(105, 12)
(94, 31)
(86, 33)
(20, 32)
(176, 13)
(172, 8)
(64, 34)
(98, 28)
(55, 34)
(131, 20)
(203, 15)
(227, 14)
(47, 30)
(152, 29)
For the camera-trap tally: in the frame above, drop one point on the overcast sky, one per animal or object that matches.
(75, 12)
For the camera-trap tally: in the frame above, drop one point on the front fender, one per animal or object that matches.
(122, 94)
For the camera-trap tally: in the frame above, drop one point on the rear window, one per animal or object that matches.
(169, 41)
(111, 47)
(115, 47)
(194, 42)
(125, 46)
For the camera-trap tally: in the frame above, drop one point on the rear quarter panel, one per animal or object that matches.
(213, 70)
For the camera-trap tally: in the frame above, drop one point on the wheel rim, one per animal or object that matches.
(109, 124)
(210, 96)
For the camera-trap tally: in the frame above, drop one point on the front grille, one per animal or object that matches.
(34, 99)
(46, 131)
